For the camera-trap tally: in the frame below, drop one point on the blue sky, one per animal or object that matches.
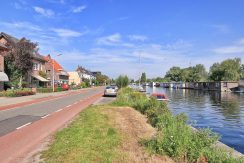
(110, 35)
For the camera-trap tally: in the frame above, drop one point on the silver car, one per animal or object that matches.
(111, 91)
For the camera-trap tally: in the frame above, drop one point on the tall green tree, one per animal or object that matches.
(228, 70)
(122, 81)
(242, 71)
(143, 77)
(174, 74)
(102, 79)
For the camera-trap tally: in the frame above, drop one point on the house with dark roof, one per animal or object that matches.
(33, 77)
(85, 74)
(3, 76)
(59, 75)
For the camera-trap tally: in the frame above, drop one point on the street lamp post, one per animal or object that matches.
(53, 72)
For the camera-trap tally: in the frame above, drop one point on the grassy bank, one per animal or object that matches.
(174, 137)
(90, 138)
(117, 133)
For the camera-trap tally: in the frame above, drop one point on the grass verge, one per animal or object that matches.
(174, 137)
(90, 138)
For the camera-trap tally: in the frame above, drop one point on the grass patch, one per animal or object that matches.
(174, 138)
(90, 138)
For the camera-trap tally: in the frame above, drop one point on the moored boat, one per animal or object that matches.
(160, 96)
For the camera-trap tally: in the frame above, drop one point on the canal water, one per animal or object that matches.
(222, 112)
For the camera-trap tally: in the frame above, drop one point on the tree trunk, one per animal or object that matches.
(20, 81)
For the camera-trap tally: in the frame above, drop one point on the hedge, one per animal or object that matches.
(17, 93)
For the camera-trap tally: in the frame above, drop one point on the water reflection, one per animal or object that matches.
(221, 111)
(229, 105)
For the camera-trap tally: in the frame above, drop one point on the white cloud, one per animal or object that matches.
(22, 25)
(137, 38)
(223, 28)
(229, 50)
(156, 59)
(241, 41)
(113, 40)
(237, 47)
(44, 12)
(79, 9)
(66, 32)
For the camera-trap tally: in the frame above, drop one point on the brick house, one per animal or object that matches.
(60, 75)
(3, 76)
(32, 77)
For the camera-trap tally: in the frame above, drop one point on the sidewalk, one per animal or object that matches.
(14, 100)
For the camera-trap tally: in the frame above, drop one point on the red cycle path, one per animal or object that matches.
(15, 145)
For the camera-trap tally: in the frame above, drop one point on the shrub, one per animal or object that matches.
(122, 81)
(58, 89)
(49, 90)
(17, 93)
(83, 85)
(44, 90)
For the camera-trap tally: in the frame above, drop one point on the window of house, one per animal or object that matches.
(35, 66)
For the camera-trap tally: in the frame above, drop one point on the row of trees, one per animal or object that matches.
(228, 70)
(189, 74)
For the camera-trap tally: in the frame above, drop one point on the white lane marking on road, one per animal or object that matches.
(23, 125)
(68, 106)
(45, 116)
(58, 110)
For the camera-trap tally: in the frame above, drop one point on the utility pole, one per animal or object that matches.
(53, 72)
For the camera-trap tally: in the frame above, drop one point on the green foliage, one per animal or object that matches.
(174, 74)
(18, 60)
(143, 77)
(83, 85)
(90, 138)
(17, 93)
(58, 89)
(87, 82)
(13, 73)
(174, 138)
(190, 74)
(49, 90)
(43, 74)
(242, 71)
(122, 81)
(228, 70)
(102, 79)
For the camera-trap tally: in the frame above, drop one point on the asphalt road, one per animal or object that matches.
(14, 119)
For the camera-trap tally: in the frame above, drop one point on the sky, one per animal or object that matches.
(129, 36)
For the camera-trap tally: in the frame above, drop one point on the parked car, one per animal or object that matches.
(65, 87)
(111, 91)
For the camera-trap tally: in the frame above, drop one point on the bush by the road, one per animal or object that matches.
(49, 90)
(175, 137)
(17, 93)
